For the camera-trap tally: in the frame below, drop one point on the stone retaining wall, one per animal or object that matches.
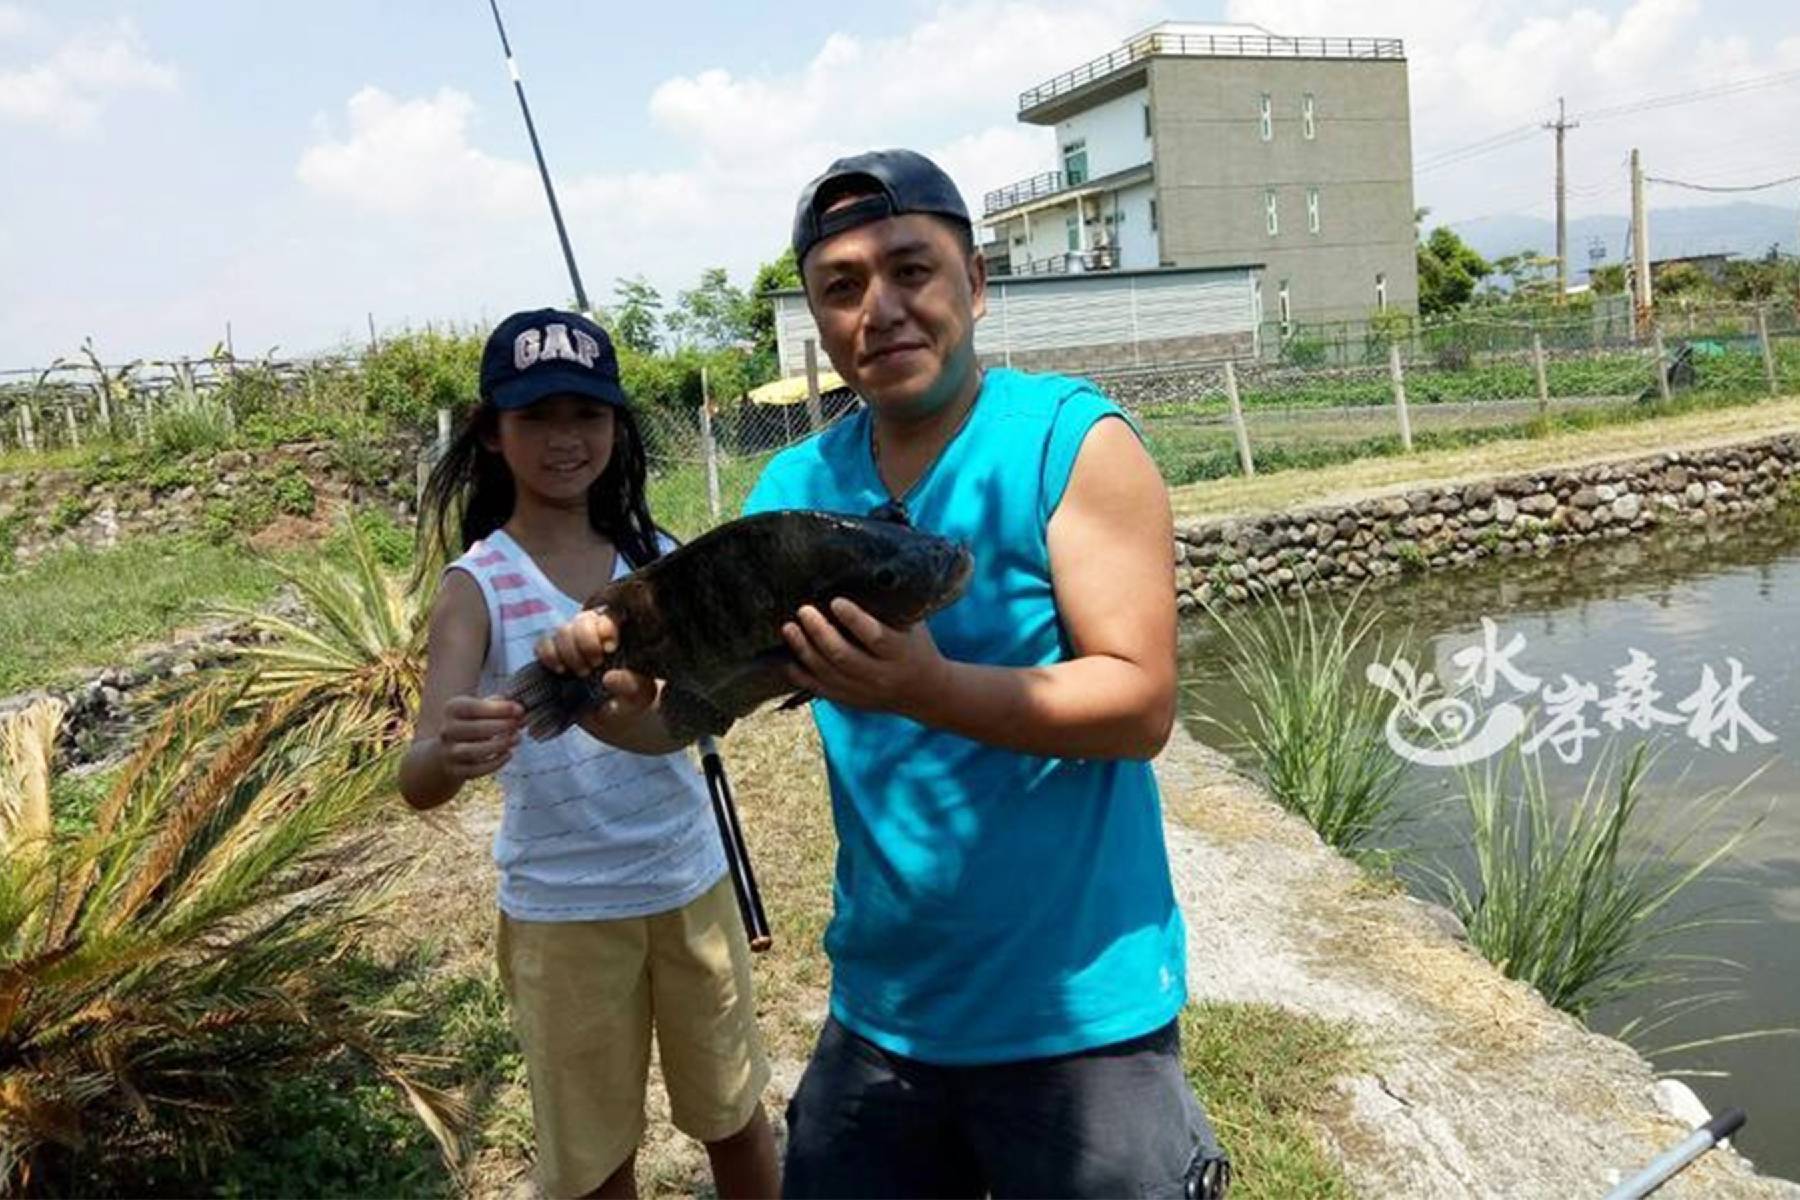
(233, 492)
(1429, 528)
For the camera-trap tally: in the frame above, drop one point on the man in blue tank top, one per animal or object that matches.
(1007, 956)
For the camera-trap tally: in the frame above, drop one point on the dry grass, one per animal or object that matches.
(1375, 476)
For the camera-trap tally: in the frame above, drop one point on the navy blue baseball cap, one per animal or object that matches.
(546, 352)
(899, 181)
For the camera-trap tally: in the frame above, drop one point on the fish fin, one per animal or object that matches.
(552, 702)
(688, 714)
(892, 510)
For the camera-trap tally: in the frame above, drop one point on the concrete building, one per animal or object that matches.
(1096, 322)
(1215, 145)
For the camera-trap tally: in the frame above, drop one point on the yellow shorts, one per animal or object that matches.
(582, 995)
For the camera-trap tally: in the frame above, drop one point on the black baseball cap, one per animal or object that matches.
(900, 181)
(545, 352)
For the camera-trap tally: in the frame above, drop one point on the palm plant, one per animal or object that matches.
(184, 953)
(1313, 731)
(354, 661)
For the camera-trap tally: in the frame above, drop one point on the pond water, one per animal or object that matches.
(1690, 601)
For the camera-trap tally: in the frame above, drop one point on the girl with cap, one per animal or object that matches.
(614, 903)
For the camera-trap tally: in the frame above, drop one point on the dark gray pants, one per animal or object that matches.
(1117, 1120)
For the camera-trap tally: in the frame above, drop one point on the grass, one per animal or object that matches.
(1511, 451)
(81, 608)
(1265, 1074)
(1574, 897)
(1313, 730)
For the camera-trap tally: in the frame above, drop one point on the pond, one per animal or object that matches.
(1691, 603)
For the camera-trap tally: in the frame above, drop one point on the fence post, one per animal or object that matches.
(1537, 366)
(1237, 421)
(1662, 363)
(1398, 375)
(815, 417)
(708, 447)
(27, 430)
(1762, 339)
(443, 433)
(74, 429)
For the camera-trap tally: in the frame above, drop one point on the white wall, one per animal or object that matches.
(1114, 132)
(1132, 232)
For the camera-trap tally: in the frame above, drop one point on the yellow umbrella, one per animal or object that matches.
(792, 390)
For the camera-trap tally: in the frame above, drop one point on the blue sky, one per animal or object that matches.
(293, 167)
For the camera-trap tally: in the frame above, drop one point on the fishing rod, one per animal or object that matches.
(718, 786)
(1679, 1157)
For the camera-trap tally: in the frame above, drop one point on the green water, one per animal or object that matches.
(1689, 601)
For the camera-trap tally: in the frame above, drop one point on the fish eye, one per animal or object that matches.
(887, 577)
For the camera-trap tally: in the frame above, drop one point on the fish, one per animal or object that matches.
(706, 617)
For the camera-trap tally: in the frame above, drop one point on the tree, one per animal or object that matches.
(1608, 280)
(637, 314)
(712, 314)
(783, 272)
(1448, 270)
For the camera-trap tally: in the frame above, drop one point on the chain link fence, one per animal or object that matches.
(1377, 388)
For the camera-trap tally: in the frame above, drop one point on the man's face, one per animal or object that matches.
(896, 301)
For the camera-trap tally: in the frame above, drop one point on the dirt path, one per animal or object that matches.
(1474, 1087)
(1364, 478)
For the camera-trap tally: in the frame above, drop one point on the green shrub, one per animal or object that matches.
(293, 494)
(1302, 351)
(9, 541)
(191, 425)
(1411, 557)
(409, 377)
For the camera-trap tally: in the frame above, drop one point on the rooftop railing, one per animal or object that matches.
(1046, 183)
(1209, 45)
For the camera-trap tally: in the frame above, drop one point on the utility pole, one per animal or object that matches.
(1640, 245)
(1561, 125)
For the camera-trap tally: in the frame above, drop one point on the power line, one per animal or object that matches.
(1521, 133)
(1705, 187)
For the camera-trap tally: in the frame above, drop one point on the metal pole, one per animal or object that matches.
(562, 234)
(1662, 364)
(1237, 421)
(1640, 245)
(1399, 379)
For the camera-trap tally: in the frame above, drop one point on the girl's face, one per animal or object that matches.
(557, 447)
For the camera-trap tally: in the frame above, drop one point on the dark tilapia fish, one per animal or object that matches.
(707, 616)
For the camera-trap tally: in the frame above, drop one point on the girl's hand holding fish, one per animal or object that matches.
(478, 735)
(582, 646)
(877, 667)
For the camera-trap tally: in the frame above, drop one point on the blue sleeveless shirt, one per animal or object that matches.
(990, 905)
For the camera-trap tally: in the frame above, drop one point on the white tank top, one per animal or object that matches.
(589, 832)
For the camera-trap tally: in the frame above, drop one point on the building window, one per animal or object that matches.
(1075, 162)
(1285, 307)
(1380, 291)
(1274, 218)
(1268, 116)
(1312, 210)
(1072, 224)
(1153, 214)
(1146, 120)
(1307, 128)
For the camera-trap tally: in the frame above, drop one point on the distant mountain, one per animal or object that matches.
(1741, 228)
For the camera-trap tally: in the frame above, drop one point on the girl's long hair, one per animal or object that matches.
(469, 494)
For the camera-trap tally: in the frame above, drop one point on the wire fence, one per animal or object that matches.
(1381, 387)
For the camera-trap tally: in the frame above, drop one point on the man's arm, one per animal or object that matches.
(1112, 567)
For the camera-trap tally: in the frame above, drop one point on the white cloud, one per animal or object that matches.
(948, 86)
(68, 90)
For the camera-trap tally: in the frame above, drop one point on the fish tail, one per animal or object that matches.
(552, 702)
